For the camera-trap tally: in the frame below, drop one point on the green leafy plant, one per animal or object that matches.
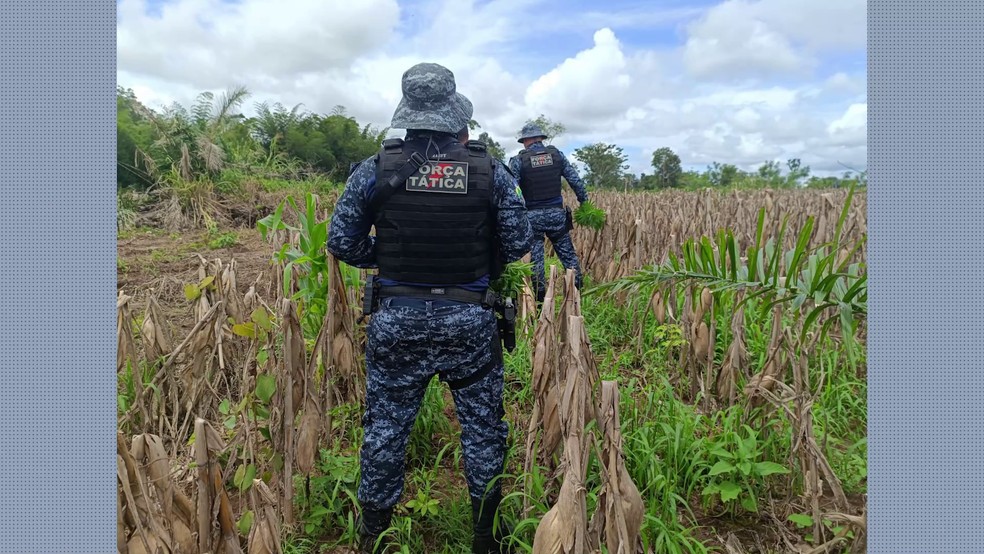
(510, 283)
(332, 497)
(589, 215)
(423, 504)
(309, 259)
(738, 470)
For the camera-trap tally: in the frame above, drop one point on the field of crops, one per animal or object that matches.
(704, 392)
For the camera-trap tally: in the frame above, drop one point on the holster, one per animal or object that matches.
(570, 218)
(507, 323)
(370, 296)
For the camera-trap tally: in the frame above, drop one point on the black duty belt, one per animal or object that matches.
(456, 294)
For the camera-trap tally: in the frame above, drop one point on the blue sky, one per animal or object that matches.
(740, 81)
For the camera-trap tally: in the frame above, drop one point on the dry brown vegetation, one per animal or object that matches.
(228, 404)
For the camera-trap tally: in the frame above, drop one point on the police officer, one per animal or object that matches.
(539, 169)
(437, 228)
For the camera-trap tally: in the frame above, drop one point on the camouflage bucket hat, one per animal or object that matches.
(431, 101)
(531, 130)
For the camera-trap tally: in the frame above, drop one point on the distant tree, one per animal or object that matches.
(797, 172)
(270, 125)
(667, 168)
(552, 129)
(724, 175)
(134, 137)
(494, 147)
(605, 164)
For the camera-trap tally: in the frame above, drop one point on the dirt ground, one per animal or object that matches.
(154, 261)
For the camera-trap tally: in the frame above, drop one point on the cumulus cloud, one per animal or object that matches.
(210, 43)
(593, 84)
(741, 39)
(746, 83)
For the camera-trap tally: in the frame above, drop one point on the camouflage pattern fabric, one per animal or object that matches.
(551, 223)
(410, 341)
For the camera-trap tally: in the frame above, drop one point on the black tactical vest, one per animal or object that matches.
(436, 228)
(539, 174)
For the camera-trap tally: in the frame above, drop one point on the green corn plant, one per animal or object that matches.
(811, 281)
(309, 260)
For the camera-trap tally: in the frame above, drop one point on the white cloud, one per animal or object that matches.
(611, 88)
(741, 39)
(722, 46)
(594, 84)
(210, 43)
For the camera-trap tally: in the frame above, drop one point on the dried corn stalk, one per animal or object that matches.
(217, 530)
(290, 394)
(735, 359)
(126, 350)
(563, 529)
(156, 337)
(618, 519)
(545, 419)
(264, 536)
(343, 358)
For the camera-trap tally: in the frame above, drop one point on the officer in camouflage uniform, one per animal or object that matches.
(539, 169)
(435, 238)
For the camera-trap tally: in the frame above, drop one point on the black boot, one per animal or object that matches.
(372, 523)
(485, 541)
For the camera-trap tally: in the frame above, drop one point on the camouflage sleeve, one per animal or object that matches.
(574, 180)
(348, 233)
(514, 166)
(513, 226)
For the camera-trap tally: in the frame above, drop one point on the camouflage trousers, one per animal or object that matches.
(408, 342)
(552, 224)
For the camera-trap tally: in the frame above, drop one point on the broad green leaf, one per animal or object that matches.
(192, 292)
(722, 453)
(247, 330)
(729, 491)
(721, 467)
(224, 407)
(801, 520)
(768, 468)
(749, 503)
(206, 282)
(247, 480)
(245, 523)
(261, 318)
(266, 386)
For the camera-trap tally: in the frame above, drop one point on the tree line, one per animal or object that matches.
(213, 140)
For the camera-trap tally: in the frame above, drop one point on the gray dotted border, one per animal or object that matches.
(926, 236)
(57, 276)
